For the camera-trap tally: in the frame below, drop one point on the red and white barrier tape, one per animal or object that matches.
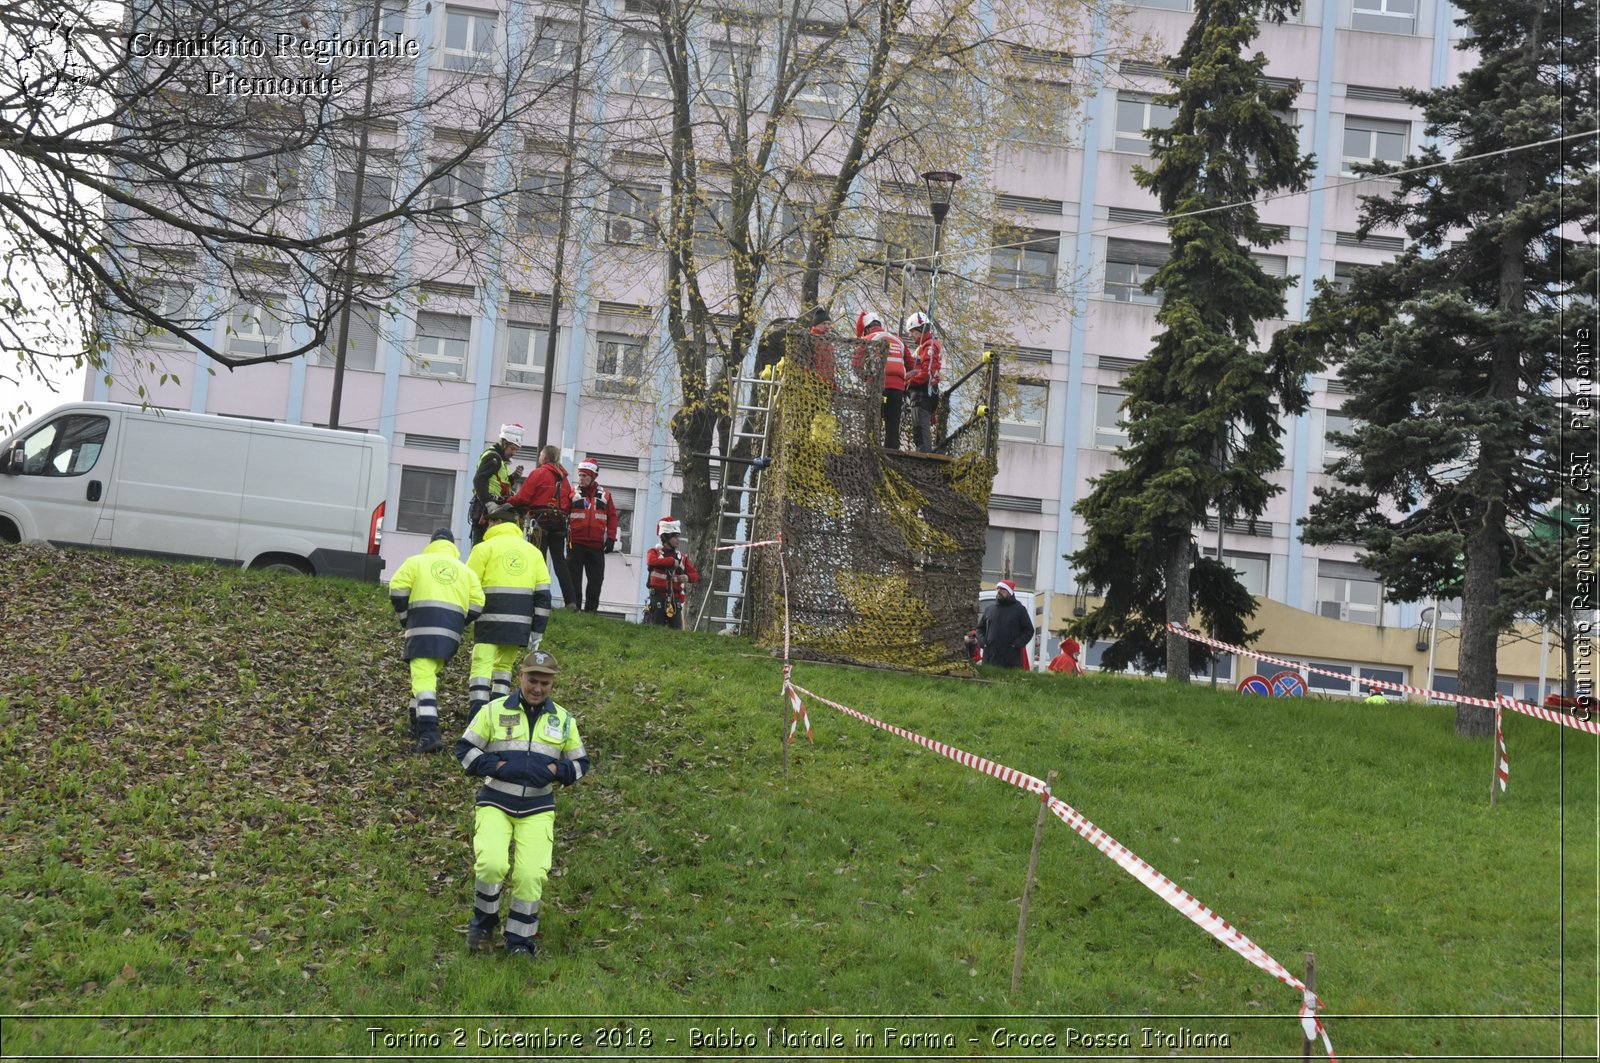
(741, 546)
(1152, 879)
(1588, 726)
(799, 715)
(1502, 768)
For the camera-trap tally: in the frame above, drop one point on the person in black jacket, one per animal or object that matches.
(1006, 629)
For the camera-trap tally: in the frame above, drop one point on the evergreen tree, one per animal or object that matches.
(1202, 411)
(1452, 351)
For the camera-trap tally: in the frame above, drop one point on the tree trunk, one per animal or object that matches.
(1480, 627)
(1178, 566)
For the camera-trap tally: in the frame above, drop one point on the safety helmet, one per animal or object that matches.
(511, 433)
(867, 319)
(590, 466)
(917, 320)
(668, 526)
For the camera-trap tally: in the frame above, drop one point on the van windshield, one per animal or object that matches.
(67, 446)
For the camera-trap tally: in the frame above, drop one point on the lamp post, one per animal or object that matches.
(941, 186)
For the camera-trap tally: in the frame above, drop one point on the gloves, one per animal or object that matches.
(566, 772)
(529, 772)
(611, 544)
(488, 766)
(534, 640)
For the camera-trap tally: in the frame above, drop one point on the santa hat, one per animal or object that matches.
(866, 321)
(590, 466)
(511, 433)
(668, 526)
(1008, 586)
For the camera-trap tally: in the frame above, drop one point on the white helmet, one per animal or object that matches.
(867, 319)
(668, 526)
(511, 433)
(917, 320)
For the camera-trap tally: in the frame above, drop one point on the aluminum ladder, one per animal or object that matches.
(738, 502)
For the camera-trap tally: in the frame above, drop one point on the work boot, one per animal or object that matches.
(478, 937)
(524, 953)
(430, 742)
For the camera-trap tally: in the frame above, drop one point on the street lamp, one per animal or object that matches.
(941, 186)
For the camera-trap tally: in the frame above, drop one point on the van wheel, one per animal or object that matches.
(282, 566)
(9, 533)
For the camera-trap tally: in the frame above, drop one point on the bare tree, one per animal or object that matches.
(171, 164)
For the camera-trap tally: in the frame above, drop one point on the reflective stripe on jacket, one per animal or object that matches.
(516, 586)
(926, 361)
(894, 358)
(533, 741)
(437, 597)
(670, 571)
(498, 483)
(593, 516)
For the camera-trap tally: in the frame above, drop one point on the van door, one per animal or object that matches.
(61, 486)
(178, 483)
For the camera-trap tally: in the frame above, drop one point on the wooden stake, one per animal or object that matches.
(1027, 886)
(1311, 984)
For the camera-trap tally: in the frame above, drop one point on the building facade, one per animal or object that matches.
(439, 378)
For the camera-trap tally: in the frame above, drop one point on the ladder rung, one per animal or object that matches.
(750, 435)
(733, 568)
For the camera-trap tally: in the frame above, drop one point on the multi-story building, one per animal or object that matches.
(438, 380)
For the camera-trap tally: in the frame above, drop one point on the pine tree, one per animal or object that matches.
(1202, 411)
(1452, 351)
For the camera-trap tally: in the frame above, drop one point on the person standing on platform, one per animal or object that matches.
(546, 496)
(594, 535)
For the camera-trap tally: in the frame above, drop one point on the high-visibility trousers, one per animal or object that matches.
(492, 668)
(493, 832)
(424, 694)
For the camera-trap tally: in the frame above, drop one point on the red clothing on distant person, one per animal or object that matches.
(1067, 660)
(547, 487)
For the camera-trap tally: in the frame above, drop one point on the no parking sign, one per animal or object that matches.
(1256, 684)
(1288, 684)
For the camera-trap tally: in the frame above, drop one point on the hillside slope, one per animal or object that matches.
(209, 807)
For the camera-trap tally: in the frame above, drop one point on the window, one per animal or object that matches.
(361, 350)
(1250, 568)
(266, 170)
(67, 446)
(1109, 431)
(525, 346)
(1385, 16)
(727, 67)
(632, 213)
(256, 324)
(391, 26)
(824, 90)
(442, 345)
(555, 51)
(377, 187)
(1348, 592)
(713, 219)
(539, 205)
(905, 235)
(1041, 112)
(625, 499)
(1012, 553)
(1224, 662)
(618, 364)
(1129, 263)
(426, 499)
(469, 40)
(1023, 417)
(175, 302)
(1344, 274)
(641, 69)
(1327, 683)
(1373, 140)
(457, 193)
(1384, 675)
(1136, 115)
(1029, 262)
(1334, 423)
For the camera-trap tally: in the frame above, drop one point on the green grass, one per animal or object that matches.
(206, 808)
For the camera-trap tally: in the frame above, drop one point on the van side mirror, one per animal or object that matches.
(11, 463)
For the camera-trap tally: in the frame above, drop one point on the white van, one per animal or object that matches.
(197, 486)
(1037, 662)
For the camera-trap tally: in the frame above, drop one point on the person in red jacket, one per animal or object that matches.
(922, 379)
(822, 361)
(1067, 661)
(593, 535)
(869, 326)
(671, 572)
(546, 496)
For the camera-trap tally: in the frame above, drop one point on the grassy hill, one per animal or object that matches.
(207, 808)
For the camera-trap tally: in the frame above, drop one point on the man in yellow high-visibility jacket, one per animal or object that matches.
(516, 611)
(437, 596)
(520, 745)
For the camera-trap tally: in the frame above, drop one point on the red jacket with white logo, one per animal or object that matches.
(925, 363)
(593, 517)
(670, 570)
(894, 357)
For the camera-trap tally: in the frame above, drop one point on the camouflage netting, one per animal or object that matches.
(884, 548)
